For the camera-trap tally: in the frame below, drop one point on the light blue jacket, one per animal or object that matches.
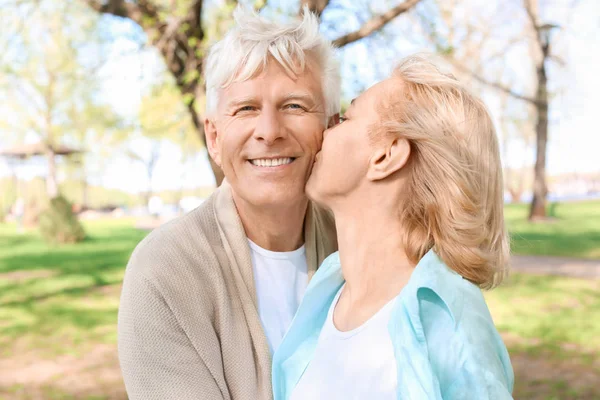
(445, 342)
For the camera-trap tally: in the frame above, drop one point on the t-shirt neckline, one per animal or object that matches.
(277, 254)
(348, 334)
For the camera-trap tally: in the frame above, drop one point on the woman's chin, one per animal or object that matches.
(312, 188)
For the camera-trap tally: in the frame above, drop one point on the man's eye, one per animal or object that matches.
(294, 106)
(342, 119)
(245, 108)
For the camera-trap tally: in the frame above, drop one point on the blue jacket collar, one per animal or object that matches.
(430, 273)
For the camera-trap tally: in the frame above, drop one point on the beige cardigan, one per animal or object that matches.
(188, 319)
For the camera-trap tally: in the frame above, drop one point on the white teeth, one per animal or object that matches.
(271, 162)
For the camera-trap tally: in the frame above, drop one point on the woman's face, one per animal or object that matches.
(342, 164)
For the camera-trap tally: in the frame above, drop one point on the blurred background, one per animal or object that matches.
(101, 109)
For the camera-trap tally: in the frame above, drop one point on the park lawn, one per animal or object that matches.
(573, 231)
(551, 325)
(58, 301)
(58, 313)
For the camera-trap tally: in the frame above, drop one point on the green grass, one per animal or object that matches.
(63, 300)
(574, 230)
(549, 313)
(550, 323)
(57, 299)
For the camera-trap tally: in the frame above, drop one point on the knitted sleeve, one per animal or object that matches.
(157, 359)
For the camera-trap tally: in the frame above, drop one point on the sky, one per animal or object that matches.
(574, 135)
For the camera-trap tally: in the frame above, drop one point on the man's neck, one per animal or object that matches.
(273, 228)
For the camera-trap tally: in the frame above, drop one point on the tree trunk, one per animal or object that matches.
(199, 124)
(515, 194)
(537, 210)
(51, 184)
(84, 193)
(150, 166)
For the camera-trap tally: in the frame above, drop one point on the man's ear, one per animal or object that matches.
(210, 131)
(333, 120)
(388, 158)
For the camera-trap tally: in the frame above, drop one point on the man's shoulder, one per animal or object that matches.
(179, 243)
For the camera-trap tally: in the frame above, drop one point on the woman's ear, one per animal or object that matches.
(210, 131)
(388, 158)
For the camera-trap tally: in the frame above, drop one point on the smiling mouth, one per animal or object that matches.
(272, 162)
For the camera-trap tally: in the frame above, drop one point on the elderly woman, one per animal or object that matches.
(412, 175)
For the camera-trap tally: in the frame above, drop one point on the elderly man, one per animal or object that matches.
(208, 297)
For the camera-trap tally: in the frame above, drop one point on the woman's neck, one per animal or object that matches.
(374, 263)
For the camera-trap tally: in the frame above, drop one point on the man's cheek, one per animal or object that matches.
(227, 149)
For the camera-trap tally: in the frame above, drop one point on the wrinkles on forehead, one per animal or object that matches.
(307, 88)
(306, 98)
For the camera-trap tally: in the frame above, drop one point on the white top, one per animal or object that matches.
(358, 364)
(281, 279)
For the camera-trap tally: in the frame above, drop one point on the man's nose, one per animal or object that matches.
(269, 127)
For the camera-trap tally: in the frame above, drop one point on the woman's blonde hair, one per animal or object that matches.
(454, 197)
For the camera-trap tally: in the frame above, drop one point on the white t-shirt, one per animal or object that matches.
(281, 279)
(358, 364)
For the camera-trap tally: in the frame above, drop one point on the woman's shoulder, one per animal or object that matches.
(450, 318)
(437, 293)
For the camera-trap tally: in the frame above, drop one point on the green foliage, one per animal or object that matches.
(191, 76)
(96, 197)
(50, 82)
(58, 223)
(188, 98)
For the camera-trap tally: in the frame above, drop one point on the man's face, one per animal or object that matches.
(265, 135)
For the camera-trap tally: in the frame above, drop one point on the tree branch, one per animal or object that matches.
(120, 8)
(196, 17)
(315, 6)
(537, 29)
(494, 85)
(375, 24)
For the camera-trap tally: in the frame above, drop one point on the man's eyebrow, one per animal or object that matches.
(352, 102)
(241, 101)
(299, 96)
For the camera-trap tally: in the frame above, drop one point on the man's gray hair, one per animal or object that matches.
(246, 48)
